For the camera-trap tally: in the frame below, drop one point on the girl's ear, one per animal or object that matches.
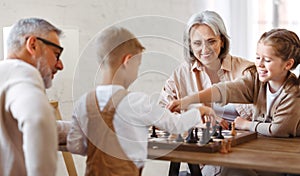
(289, 64)
(31, 45)
(126, 58)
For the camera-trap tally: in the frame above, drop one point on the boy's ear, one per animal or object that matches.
(31, 45)
(126, 58)
(289, 64)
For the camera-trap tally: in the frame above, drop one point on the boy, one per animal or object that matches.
(110, 125)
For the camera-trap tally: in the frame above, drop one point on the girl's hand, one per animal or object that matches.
(174, 106)
(242, 124)
(177, 105)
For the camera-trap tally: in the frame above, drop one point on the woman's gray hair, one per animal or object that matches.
(28, 27)
(215, 22)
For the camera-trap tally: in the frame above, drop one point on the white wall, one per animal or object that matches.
(158, 24)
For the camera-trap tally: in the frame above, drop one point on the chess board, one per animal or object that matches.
(164, 141)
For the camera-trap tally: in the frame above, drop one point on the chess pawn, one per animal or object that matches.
(154, 135)
(220, 136)
(179, 138)
(233, 132)
(223, 147)
(228, 145)
(196, 134)
(191, 137)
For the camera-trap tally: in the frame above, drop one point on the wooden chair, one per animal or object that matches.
(69, 162)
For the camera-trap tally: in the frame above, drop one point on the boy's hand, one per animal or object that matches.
(207, 114)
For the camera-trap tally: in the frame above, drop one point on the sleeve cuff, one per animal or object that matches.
(254, 126)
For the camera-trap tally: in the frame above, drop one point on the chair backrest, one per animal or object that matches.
(69, 162)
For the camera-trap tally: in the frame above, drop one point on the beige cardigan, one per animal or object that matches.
(182, 82)
(284, 117)
(28, 136)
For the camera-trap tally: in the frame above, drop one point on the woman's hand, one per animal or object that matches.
(223, 123)
(242, 124)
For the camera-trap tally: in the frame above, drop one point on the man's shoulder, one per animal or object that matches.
(17, 67)
(15, 71)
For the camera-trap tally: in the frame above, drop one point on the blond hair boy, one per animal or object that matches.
(110, 124)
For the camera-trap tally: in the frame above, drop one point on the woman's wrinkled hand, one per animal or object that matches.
(223, 123)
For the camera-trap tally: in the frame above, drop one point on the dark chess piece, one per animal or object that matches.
(220, 136)
(179, 138)
(229, 126)
(196, 134)
(154, 135)
(191, 137)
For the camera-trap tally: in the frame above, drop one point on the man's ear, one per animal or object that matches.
(126, 58)
(289, 64)
(31, 45)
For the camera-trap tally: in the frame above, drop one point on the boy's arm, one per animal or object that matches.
(76, 140)
(63, 128)
(173, 122)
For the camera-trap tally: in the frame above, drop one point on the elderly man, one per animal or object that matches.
(28, 137)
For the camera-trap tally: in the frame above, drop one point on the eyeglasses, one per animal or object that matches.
(47, 42)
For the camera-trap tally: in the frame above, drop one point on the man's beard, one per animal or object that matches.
(45, 72)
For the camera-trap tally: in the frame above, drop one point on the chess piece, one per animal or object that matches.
(207, 133)
(154, 135)
(228, 146)
(166, 134)
(233, 132)
(223, 147)
(214, 130)
(203, 137)
(196, 134)
(191, 138)
(229, 126)
(179, 138)
(220, 136)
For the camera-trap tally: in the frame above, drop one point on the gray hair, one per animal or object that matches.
(27, 27)
(215, 22)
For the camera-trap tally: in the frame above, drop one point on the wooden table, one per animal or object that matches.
(268, 154)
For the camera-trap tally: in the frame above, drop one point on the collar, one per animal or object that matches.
(226, 63)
